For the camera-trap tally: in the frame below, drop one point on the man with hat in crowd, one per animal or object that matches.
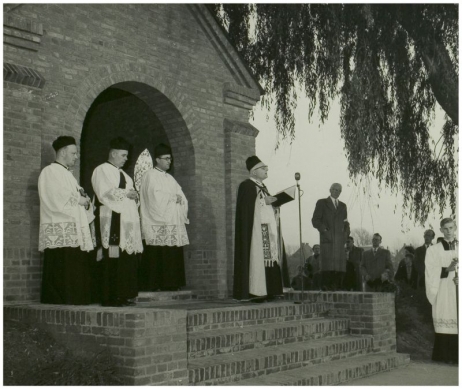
(164, 215)
(64, 236)
(120, 230)
(259, 259)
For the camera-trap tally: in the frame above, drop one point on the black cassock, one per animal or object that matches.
(245, 211)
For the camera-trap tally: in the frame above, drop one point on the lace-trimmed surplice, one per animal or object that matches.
(105, 181)
(63, 222)
(163, 219)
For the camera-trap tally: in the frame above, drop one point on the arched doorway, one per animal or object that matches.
(145, 117)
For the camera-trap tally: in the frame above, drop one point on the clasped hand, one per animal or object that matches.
(132, 194)
(84, 201)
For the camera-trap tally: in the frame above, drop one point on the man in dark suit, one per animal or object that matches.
(330, 219)
(376, 267)
(419, 258)
(353, 277)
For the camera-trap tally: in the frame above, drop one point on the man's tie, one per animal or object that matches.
(335, 203)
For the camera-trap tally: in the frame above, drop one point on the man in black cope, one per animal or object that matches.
(120, 231)
(260, 267)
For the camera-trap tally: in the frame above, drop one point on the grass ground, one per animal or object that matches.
(32, 357)
(414, 324)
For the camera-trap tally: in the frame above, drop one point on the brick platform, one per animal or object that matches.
(330, 338)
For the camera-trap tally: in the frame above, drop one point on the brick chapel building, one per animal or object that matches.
(149, 72)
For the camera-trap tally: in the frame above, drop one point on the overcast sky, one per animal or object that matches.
(317, 154)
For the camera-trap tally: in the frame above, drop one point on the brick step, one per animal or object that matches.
(331, 373)
(252, 314)
(234, 339)
(223, 368)
(147, 297)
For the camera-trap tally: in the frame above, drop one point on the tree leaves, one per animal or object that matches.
(389, 63)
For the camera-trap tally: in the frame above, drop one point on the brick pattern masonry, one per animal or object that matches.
(175, 59)
(201, 343)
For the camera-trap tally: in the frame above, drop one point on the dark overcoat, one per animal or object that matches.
(419, 264)
(332, 241)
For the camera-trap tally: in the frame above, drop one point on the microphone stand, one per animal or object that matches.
(302, 264)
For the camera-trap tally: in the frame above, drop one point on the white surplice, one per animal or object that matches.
(163, 219)
(264, 249)
(105, 181)
(63, 222)
(441, 292)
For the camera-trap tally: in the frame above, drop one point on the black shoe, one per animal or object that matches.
(170, 289)
(125, 302)
(259, 300)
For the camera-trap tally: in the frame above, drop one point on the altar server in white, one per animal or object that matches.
(120, 230)
(441, 261)
(164, 214)
(64, 237)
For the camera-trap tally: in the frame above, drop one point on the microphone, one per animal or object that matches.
(297, 176)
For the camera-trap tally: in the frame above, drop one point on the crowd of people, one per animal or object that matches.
(133, 241)
(338, 265)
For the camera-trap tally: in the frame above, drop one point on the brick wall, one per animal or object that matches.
(21, 167)
(369, 313)
(175, 60)
(149, 346)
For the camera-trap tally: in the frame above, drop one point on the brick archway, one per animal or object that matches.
(163, 97)
(173, 111)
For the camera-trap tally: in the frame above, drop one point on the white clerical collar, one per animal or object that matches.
(64, 166)
(260, 184)
(160, 170)
(118, 168)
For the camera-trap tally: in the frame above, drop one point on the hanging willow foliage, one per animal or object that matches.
(388, 64)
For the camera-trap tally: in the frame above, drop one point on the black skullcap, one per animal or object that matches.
(63, 141)
(162, 149)
(119, 143)
(251, 162)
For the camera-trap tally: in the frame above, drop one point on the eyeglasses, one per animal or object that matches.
(167, 159)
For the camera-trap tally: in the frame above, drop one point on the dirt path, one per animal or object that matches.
(415, 374)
